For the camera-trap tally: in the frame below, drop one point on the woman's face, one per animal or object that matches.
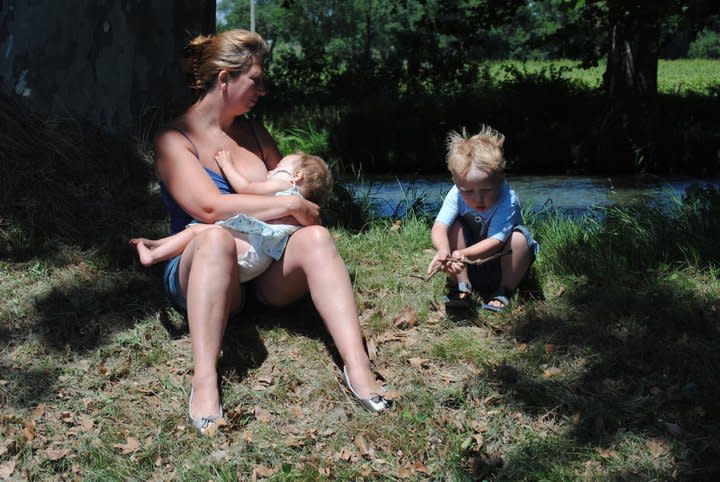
(246, 89)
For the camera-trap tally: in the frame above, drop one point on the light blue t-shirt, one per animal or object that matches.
(500, 219)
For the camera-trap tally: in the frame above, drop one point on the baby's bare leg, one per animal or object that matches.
(152, 251)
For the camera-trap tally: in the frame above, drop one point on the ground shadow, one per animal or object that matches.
(654, 356)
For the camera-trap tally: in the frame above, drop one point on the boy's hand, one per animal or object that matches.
(438, 261)
(456, 263)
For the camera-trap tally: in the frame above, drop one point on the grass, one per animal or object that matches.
(605, 369)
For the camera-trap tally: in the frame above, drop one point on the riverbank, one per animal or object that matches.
(604, 368)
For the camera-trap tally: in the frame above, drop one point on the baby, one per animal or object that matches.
(258, 242)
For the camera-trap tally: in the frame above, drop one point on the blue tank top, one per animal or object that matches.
(179, 218)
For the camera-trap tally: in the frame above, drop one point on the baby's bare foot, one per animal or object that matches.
(144, 251)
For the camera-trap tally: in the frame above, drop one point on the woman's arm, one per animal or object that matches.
(191, 187)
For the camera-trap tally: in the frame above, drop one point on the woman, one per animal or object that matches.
(227, 76)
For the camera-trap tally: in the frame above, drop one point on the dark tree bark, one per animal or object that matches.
(630, 80)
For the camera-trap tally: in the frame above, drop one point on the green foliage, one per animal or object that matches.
(706, 46)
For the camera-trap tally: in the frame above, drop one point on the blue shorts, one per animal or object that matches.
(486, 277)
(171, 283)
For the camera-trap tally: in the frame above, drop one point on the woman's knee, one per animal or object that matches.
(215, 242)
(313, 238)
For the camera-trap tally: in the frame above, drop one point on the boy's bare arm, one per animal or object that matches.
(482, 249)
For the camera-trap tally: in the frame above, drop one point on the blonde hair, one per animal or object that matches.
(317, 179)
(206, 55)
(482, 151)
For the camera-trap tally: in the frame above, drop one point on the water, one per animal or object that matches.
(568, 194)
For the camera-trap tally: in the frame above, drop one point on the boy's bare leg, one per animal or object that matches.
(514, 266)
(152, 251)
(457, 241)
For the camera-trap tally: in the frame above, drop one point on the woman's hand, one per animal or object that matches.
(306, 213)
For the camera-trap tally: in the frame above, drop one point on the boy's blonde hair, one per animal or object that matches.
(483, 151)
(317, 179)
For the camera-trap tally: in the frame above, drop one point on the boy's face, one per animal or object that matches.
(479, 188)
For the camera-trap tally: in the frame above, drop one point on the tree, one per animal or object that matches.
(632, 31)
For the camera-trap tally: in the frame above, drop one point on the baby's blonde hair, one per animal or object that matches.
(317, 179)
(483, 151)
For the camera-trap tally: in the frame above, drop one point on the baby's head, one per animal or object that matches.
(477, 165)
(311, 175)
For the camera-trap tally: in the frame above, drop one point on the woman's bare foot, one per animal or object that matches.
(363, 381)
(206, 397)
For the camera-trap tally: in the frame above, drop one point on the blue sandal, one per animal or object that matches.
(503, 297)
(454, 300)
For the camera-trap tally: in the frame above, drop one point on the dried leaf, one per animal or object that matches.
(87, 423)
(560, 291)
(405, 473)
(361, 445)
(523, 347)
(131, 445)
(38, 411)
(6, 469)
(657, 447)
(418, 362)
(421, 468)
(212, 430)
(262, 415)
(391, 395)
(552, 372)
(396, 225)
(247, 436)
(371, 349)
(346, 454)
(56, 454)
(406, 318)
(29, 430)
(262, 471)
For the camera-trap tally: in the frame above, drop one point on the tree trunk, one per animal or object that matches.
(629, 126)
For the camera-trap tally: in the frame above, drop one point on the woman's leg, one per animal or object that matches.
(312, 262)
(209, 279)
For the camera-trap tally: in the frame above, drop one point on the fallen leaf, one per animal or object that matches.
(406, 318)
(560, 291)
(262, 471)
(131, 445)
(29, 430)
(421, 468)
(418, 362)
(247, 436)
(6, 469)
(552, 372)
(371, 349)
(523, 347)
(405, 473)
(262, 415)
(391, 395)
(56, 454)
(38, 411)
(396, 225)
(606, 453)
(87, 423)
(212, 430)
(361, 445)
(346, 454)
(657, 447)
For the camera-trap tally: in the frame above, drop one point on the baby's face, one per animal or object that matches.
(288, 163)
(479, 188)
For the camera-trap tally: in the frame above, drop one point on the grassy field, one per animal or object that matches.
(678, 77)
(605, 368)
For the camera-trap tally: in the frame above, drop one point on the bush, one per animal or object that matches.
(706, 46)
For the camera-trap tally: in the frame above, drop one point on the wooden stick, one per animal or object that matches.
(475, 262)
